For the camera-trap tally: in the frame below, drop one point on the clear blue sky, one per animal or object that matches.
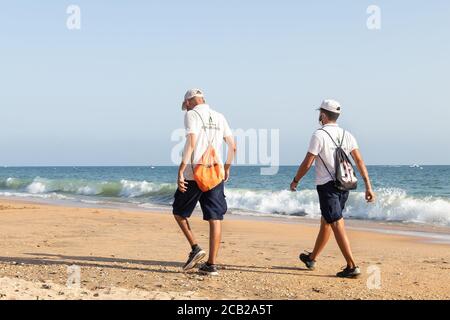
(110, 93)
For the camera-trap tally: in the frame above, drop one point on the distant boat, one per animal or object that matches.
(415, 166)
(152, 167)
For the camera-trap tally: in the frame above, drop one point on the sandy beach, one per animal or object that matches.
(124, 254)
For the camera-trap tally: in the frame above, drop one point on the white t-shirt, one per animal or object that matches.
(321, 144)
(217, 129)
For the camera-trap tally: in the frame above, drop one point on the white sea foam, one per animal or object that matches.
(279, 202)
(124, 188)
(131, 189)
(37, 188)
(88, 191)
(396, 205)
(391, 205)
(49, 196)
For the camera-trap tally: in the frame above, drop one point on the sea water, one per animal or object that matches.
(404, 193)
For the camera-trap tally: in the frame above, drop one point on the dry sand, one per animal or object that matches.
(138, 255)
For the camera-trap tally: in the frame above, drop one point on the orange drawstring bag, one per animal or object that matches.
(208, 172)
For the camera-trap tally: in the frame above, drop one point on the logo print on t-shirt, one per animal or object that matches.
(211, 124)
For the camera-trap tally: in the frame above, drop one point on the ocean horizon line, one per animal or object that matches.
(175, 166)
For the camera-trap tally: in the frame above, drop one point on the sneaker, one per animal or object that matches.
(306, 259)
(194, 257)
(209, 270)
(349, 273)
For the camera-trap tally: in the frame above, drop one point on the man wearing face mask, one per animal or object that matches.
(332, 200)
(204, 127)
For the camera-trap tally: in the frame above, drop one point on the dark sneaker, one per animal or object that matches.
(209, 270)
(194, 257)
(349, 273)
(306, 259)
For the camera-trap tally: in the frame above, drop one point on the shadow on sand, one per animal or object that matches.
(124, 264)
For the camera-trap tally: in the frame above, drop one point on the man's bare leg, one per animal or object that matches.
(322, 239)
(342, 240)
(186, 228)
(215, 236)
(197, 254)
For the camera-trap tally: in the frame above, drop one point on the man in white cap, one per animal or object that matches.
(204, 127)
(322, 151)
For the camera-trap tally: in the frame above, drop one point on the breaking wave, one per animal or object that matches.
(391, 205)
(121, 189)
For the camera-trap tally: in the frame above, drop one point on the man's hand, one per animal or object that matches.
(227, 174)
(294, 186)
(370, 196)
(182, 185)
(230, 157)
(187, 153)
(303, 170)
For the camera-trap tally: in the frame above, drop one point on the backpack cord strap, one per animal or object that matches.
(343, 137)
(330, 137)
(210, 141)
(333, 177)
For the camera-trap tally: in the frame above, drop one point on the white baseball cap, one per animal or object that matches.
(331, 105)
(193, 93)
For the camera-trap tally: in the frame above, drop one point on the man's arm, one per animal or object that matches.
(303, 170)
(187, 154)
(231, 154)
(356, 154)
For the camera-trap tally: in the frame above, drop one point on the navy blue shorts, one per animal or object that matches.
(213, 202)
(332, 202)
